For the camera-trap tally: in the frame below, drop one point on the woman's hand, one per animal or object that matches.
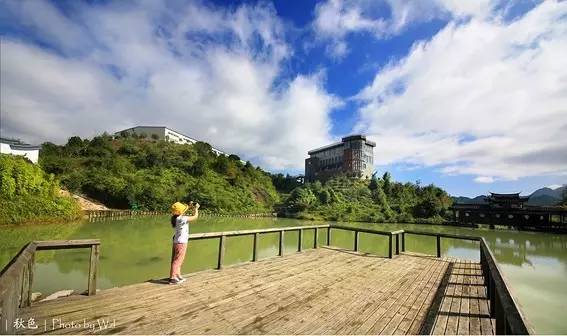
(197, 205)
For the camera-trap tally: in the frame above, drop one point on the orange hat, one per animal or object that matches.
(179, 208)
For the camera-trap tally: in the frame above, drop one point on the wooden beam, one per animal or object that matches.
(255, 250)
(281, 251)
(93, 269)
(315, 238)
(438, 246)
(356, 240)
(299, 240)
(222, 242)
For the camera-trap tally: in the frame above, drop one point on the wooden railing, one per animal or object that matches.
(16, 278)
(222, 238)
(503, 308)
(93, 215)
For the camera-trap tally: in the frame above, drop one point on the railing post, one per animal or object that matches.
(500, 317)
(403, 241)
(316, 238)
(93, 269)
(492, 296)
(255, 251)
(221, 251)
(390, 246)
(356, 240)
(299, 240)
(397, 244)
(329, 236)
(9, 310)
(281, 243)
(30, 280)
(438, 246)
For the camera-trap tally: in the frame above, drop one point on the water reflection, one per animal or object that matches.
(134, 250)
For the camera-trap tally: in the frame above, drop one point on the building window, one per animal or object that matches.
(481, 215)
(497, 215)
(510, 216)
(467, 214)
(527, 216)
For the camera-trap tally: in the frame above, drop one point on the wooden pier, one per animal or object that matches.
(318, 291)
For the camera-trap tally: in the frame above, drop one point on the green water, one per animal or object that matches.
(136, 250)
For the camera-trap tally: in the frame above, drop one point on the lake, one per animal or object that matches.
(135, 250)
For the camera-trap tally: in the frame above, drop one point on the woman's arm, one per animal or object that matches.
(195, 213)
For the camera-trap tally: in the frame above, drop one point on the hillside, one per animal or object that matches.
(132, 173)
(376, 200)
(28, 194)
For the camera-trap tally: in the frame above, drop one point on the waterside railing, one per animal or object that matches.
(17, 276)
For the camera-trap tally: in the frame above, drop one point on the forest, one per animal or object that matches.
(140, 173)
(130, 172)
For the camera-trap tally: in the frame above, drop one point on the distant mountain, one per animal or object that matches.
(543, 196)
(543, 200)
(554, 193)
(477, 200)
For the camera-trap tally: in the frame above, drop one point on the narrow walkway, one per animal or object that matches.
(321, 291)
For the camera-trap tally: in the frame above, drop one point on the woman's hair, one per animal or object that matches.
(174, 220)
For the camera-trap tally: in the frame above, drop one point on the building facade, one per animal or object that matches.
(353, 156)
(163, 133)
(510, 210)
(16, 147)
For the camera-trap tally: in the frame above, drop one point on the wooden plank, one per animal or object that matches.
(463, 325)
(65, 244)
(475, 301)
(323, 291)
(453, 313)
(441, 320)
(417, 314)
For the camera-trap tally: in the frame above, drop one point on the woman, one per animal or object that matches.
(180, 223)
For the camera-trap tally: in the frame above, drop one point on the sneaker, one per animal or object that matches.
(175, 281)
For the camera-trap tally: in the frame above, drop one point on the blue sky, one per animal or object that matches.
(468, 95)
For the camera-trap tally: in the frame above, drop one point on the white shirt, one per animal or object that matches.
(181, 230)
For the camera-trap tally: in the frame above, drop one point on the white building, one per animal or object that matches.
(16, 147)
(163, 133)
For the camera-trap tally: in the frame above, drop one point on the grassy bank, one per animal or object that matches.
(28, 194)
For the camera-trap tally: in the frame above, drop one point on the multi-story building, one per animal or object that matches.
(353, 156)
(163, 133)
(16, 147)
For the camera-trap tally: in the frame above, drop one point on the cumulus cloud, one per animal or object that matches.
(336, 19)
(485, 97)
(212, 73)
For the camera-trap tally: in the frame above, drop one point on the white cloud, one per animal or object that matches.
(484, 179)
(336, 19)
(485, 97)
(211, 73)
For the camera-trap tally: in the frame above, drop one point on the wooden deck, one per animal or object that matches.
(318, 291)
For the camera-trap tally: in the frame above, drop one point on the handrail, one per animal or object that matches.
(16, 278)
(503, 307)
(256, 233)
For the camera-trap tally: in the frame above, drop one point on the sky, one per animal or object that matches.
(468, 95)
